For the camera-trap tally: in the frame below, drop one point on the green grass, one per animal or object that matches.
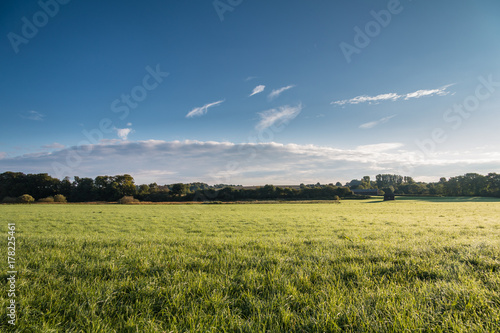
(361, 266)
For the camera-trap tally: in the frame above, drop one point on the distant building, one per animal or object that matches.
(389, 196)
(366, 192)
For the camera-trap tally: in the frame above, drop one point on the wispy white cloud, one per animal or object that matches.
(54, 145)
(421, 93)
(250, 78)
(369, 99)
(275, 93)
(2, 155)
(33, 115)
(200, 111)
(258, 90)
(281, 115)
(393, 96)
(253, 163)
(123, 133)
(376, 123)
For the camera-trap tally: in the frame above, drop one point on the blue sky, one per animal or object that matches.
(250, 92)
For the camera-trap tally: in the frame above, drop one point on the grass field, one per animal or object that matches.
(359, 266)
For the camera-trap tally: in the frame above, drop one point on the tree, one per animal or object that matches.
(267, 192)
(388, 190)
(143, 189)
(105, 189)
(126, 200)
(14, 184)
(83, 190)
(179, 189)
(493, 187)
(10, 200)
(26, 199)
(153, 187)
(47, 199)
(435, 188)
(408, 180)
(475, 183)
(387, 180)
(227, 194)
(60, 198)
(65, 187)
(366, 183)
(355, 184)
(452, 187)
(42, 185)
(125, 185)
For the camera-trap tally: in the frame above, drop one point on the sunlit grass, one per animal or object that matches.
(360, 266)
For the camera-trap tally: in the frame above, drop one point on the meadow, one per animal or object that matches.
(430, 265)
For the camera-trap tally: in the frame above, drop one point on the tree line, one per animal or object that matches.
(470, 184)
(43, 187)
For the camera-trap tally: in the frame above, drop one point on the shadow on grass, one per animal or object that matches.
(436, 199)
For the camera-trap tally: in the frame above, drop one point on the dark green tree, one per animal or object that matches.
(179, 189)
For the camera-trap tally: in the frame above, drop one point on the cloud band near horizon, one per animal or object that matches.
(249, 163)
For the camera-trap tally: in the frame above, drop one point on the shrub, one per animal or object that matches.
(60, 198)
(10, 200)
(47, 199)
(127, 200)
(26, 199)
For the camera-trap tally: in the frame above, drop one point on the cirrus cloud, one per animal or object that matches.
(200, 111)
(442, 91)
(372, 124)
(33, 115)
(257, 90)
(275, 93)
(281, 115)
